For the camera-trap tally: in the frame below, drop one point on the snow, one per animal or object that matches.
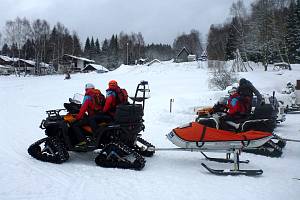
(167, 175)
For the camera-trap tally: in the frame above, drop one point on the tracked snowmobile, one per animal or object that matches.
(263, 118)
(119, 141)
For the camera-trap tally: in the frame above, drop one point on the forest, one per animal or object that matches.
(269, 32)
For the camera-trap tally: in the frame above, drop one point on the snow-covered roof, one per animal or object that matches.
(45, 65)
(4, 67)
(96, 67)
(29, 62)
(281, 63)
(9, 59)
(153, 61)
(32, 63)
(6, 58)
(80, 58)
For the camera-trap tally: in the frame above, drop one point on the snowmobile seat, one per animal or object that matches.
(266, 111)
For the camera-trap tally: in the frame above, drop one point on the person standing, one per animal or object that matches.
(246, 91)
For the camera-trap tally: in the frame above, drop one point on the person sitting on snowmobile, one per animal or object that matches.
(234, 105)
(90, 106)
(114, 96)
(246, 90)
(235, 111)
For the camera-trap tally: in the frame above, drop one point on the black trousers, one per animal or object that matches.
(98, 118)
(76, 127)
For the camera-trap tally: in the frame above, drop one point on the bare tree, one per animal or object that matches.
(17, 32)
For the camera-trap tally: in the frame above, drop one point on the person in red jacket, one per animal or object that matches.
(234, 105)
(90, 107)
(111, 98)
(235, 109)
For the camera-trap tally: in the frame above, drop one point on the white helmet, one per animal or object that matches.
(89, 86)
(232, 90)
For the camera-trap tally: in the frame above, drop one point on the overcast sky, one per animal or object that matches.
(160, 21)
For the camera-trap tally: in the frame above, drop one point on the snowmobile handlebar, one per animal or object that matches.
(52, 113)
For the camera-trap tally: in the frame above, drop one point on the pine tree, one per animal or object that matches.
(87, 47)
(97, 46)
(5, 50)
(76, 45)
(28, 50)
(105, 47)
(297, 32)
(292, 32)
(92, 49)
(232, 42)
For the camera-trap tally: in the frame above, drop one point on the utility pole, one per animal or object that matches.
(127, 52)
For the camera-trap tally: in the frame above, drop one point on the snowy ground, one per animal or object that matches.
(167, 175)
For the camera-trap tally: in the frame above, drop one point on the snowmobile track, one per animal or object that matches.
(114, 156)
(53, 152)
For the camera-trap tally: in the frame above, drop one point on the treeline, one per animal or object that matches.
(125, 48)
(269, 33)
(38, 41)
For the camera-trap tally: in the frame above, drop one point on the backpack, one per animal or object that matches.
(98, 100)
(122, 96)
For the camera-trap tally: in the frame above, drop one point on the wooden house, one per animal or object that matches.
(74, 63)
(95, 67)
(182, 56)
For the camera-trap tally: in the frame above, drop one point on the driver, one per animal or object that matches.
(91, 107)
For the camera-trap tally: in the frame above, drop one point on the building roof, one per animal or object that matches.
(6, 58)
(204, 53)
(79, 58)
(5, 67)
(29, 62)
(153, 61)
(183, 50)
(96, 67)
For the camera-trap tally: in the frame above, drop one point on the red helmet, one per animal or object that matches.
(112, 83)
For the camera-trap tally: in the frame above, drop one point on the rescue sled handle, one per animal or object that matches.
(286, 139)
(192, 150)
(290, 140)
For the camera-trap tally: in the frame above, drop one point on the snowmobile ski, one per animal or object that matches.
(233, 172)
(118, 155)
(223, 160)
(53, 151)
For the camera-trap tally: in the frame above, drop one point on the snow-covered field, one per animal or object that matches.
(167, 175)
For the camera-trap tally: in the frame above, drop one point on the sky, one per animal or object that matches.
(159, 21)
